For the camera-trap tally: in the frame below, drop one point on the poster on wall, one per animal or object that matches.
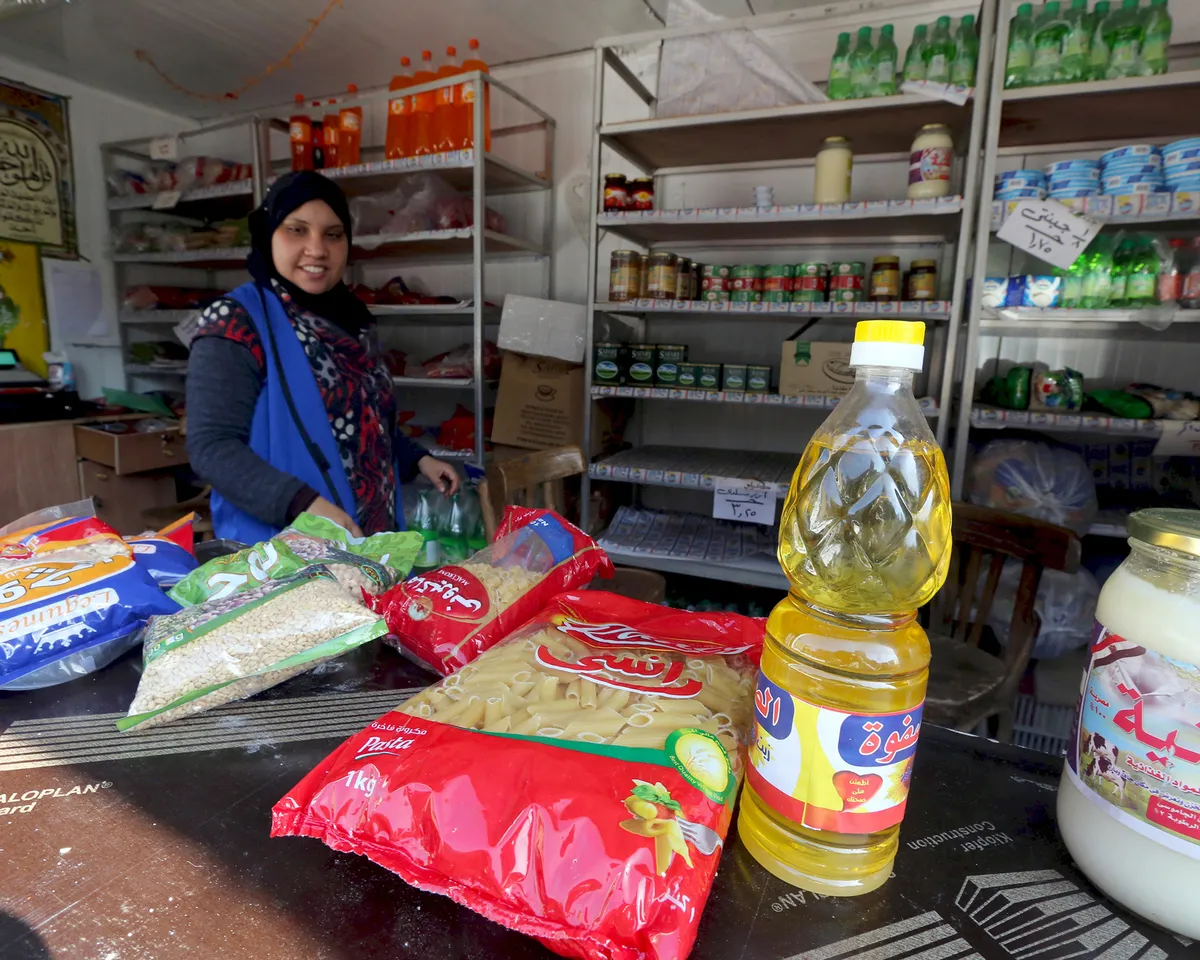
(22, 308)
(37, 183)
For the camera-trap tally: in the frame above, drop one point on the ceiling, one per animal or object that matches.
(214, 45)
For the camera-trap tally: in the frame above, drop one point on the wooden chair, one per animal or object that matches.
(519, 480)
(968, 684)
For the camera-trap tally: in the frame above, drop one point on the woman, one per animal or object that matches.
(290, 405)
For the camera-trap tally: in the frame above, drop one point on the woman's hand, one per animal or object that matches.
(323, 508)
(441, 474)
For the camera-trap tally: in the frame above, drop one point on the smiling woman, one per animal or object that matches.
(290, 405)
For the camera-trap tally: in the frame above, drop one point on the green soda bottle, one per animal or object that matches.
(1020, 47)
(839, 70)
(1122, 259)
(914, 60)
(1098, 56)
(425, 522)
(1157, 38)
(1125, 36)
(452, 538)
(1097, 274)
(886, 56)
(1072, 284)
(941, 52)
(966, 53)
(862, 75)
(1048, 46)
(1141, 282)
(1077, 44)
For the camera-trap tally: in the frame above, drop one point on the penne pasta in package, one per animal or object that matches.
(446, 618)
(574, 783)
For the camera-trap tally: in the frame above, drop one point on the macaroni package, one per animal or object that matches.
(574, 783)
(72, 598)
(446, 618)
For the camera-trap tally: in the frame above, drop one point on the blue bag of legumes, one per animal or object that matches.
(72, 597)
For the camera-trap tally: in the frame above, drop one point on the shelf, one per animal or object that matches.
(934, 310)
(1128, 110)
(1109, 523)
(875, 218)
(212, 257)
(756, 571)
(150, 370)
(456, 167)
(441, 244)
(235, 189)
(874, 125)
(993, 418)
(1145, 210)
(1090, 324)
(811, 401)
(688, 468)
(449, 314)
(157, 318)
(445, 383)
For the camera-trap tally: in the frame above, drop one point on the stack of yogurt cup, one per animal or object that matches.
(1181, 165)
(1070, 179)
(1020, 185)
(1136, 168)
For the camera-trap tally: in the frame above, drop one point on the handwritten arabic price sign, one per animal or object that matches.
(1049, 231)
(1178, 438)
(750, 501)
(164, 148)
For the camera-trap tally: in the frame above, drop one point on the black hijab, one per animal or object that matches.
(338, 305)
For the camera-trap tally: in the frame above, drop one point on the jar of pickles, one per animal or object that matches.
(616, 192)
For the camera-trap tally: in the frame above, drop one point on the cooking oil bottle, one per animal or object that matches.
(864, 540)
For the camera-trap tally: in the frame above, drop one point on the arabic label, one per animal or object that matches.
(1049, 230)
(449, 591)
(828, 769)
(1135, 747)
(750, 501)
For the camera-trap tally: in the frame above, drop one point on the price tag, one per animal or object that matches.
(750, 501)
(954, 93)
(1179, 438)
(164, 148)
(1049, 230)
(165, 199)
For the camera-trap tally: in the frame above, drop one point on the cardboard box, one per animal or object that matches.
(807, 367)
(539, 403)
(543, 328)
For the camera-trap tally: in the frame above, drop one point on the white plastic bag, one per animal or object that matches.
(1066, 604)
(1035, 480)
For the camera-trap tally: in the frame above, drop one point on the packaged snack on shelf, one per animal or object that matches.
(372, 563)
(599, 749)
(72, 597)
(237, 646)
(446, 618)
(168, 555)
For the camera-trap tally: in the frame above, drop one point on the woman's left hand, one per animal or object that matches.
(441, 474)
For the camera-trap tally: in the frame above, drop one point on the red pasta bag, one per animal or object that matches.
(574, 783)
(446, 618)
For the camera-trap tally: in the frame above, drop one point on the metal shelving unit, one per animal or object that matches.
(479, 173)
(1058, 119)
(881, 129)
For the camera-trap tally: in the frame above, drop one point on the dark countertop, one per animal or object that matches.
(156, 846)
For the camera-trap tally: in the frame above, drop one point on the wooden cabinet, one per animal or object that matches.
(131, 452)
(120, 500)
(37, 467)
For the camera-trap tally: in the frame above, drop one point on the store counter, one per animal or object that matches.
(155, 845)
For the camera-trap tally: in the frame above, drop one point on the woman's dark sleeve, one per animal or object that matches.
(224, 381)
(408, 455)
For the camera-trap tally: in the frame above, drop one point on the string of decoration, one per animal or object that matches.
(281, 64)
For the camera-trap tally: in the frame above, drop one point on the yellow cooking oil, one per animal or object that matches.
(864, 541)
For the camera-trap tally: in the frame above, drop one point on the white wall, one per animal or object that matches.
(95, 118)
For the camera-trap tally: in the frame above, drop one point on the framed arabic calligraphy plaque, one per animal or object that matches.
(37, 183)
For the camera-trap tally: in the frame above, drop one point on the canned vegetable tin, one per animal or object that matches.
(734, 376)
(641, 363)
(746, 276)
(777, 278)
(708, 376)
(669, 357)
(689, 375)
(758, 379)
(610, 364)
(721, 270)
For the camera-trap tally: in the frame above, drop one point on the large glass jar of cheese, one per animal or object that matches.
(1129, 800)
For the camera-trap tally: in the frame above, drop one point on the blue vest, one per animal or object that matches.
(274, 433)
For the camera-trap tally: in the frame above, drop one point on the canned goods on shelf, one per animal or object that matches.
(777, 296)
(641, 193)
(814, 295)
(746, 296)
(810, 270)
(616, 192)
(715, 296)
(720, 270)
(922, 280)
(641, 363)
(848, 268)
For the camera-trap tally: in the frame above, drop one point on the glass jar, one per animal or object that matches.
(885, 279)
(930, 162)
(922, 280)
(832, 171)
(616, 192)
(661, 269)
(1129, 798)
(641, 193)
(624, 275)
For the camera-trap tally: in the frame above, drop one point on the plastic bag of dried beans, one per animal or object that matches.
(446, 618)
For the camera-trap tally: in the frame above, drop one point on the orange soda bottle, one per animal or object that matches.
(397, 143)
(424, 105)
(300, 135)
(468, 101)
(350, 134)
(446, 135)
(330, 128)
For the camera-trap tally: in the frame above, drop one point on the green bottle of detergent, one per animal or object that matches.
(862, 65)
(914, 60)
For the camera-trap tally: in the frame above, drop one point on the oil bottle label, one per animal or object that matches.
(828, 769)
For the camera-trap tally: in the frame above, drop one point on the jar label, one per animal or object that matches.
(932, 163)
(1135, 746)
(828, 769)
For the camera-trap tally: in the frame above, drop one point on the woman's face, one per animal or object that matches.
(310, 249)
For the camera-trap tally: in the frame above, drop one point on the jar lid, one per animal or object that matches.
(835, 142)
(614, 176)
(1170, 527)
(932, 127)
(886, 259)
(924, 263)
